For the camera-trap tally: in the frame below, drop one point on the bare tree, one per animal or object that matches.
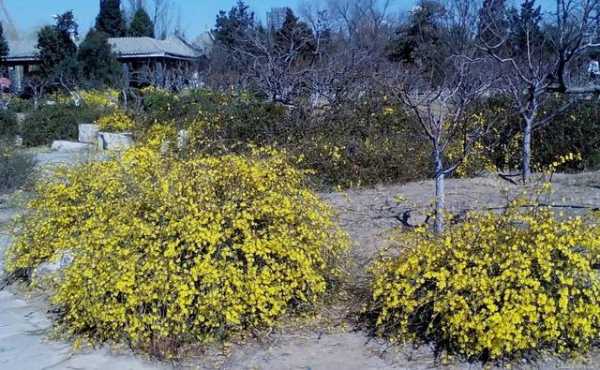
(278, 72)
(364, 22)
(442, 113)
(542, 63)
(163, 17)
(169, 77)
(37, 86)
(162, 12)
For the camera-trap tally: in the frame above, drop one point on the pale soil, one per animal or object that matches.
(331, 342)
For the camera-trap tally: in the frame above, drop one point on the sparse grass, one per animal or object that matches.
(16, 167)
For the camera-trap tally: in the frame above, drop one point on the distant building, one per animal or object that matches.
(134, 52)
(594, 69)
(276, 18)
(204, 42)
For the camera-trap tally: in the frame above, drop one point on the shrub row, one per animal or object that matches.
(342, 147)
(56, 122)
(577, 131)
(169, 251)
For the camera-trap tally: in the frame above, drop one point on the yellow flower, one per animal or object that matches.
(496, 285)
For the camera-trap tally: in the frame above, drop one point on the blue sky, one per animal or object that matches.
(196, 15)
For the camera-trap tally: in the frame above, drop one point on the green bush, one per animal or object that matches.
(496, 286)
(16, 168)
(359, 146)
(344, 146)
(56, 122)
(20, 105)
(576, 131)
(8, 125)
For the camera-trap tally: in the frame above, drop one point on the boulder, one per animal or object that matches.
(115, 141)
(183, 139)
(88, 133)
(21, 117)
(69, 146)
(50, 268)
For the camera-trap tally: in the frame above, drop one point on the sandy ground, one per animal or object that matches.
(367, 214)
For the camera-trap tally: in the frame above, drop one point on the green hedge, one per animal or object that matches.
(16, 167)
(8, 125)
(56, 122)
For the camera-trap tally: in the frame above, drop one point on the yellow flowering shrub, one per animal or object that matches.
(495, 286)
(117, 121)
(100, 98)
(169, 250)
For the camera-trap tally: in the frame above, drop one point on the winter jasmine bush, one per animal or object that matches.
(495, 286)
(100, 99)
(117, 121)
(174, 251)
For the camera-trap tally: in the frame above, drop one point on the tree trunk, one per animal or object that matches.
(526, 155)
(439, 192)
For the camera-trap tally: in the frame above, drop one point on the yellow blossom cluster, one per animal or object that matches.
(495, 286)
(100, 98)
(180, 250)
(117, 121)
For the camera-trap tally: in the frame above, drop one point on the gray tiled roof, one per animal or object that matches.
(140, 46)
(124, 47)
(22, 49)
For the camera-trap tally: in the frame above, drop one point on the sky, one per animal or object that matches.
(197, 16)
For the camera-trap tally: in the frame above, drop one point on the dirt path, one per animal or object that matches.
(367, 214)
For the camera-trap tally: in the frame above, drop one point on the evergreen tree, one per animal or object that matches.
(295, 35)
(420, 36)
(57, 49)
(493, 22)
(99, 66)
(525, 26)
(3, 44)
(232, 27)
(141, 24)
(110, 19)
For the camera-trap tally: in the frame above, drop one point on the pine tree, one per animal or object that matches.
(57, 49)
(232, 27)
(493, 22)
(420, 35)
(295, 35)
(525, 26)
(141, 24)
(99, 66)
(3, 44)
(110, 19)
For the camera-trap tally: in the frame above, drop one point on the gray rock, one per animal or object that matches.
(165, 146)
(183, 139)
(69, 146)
(21, 117)
(115, 141)
(50, 268)
(88, 133)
